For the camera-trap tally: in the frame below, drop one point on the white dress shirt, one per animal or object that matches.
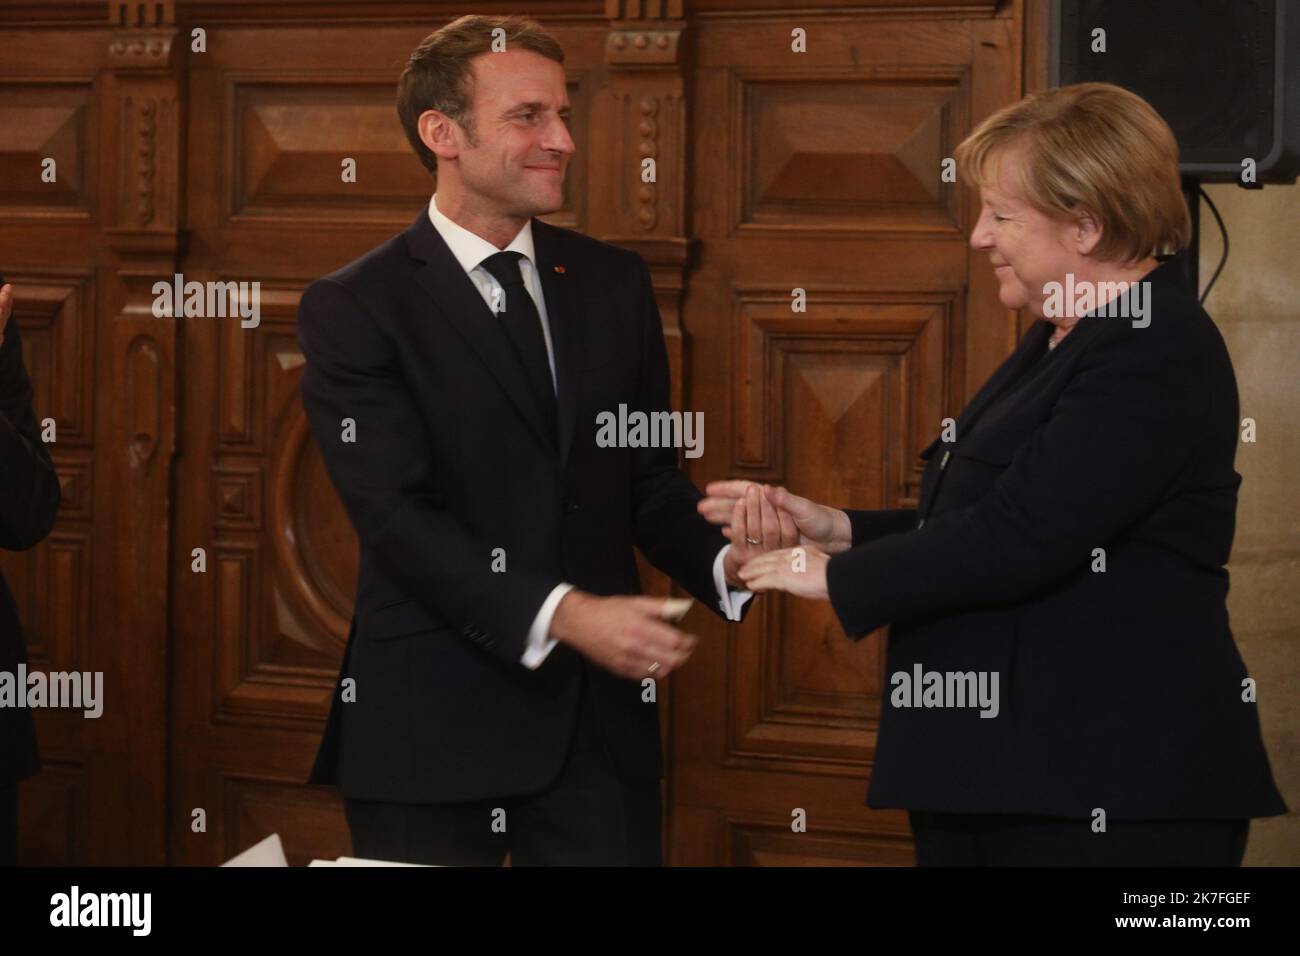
(470, 250)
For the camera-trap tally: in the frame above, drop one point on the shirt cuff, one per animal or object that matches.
(540, 643)
(730, 600)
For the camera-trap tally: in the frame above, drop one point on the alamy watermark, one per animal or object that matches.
(1071, 299)
(78, 690)
(651, 430)
(209, 300)
(75, 909)
(955, 689)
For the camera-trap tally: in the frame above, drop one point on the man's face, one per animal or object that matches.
(521, 145)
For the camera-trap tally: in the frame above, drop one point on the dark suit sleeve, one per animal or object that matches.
(672, 535)
(870, 525)
(1118, 437)
(30, 498)
(384, 478)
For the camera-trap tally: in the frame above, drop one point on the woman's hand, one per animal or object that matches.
(826, 528)
(799, 571)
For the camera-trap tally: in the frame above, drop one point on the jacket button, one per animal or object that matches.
(570, 505)
(920, 524)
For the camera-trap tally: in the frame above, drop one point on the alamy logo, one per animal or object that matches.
(956, 689)
(1127, 300)
(653, 430)
(71, 689)
(208, 300)
(75, 908)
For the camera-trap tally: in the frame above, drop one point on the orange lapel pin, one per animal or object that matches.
(560, 269)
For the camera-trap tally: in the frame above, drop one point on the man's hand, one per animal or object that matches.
(800, 520)
(626, 636)
(753, 526)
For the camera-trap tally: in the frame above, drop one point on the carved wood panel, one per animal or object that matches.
(775, 171)
(828, 337)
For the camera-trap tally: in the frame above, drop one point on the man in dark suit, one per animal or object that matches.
(28, 503)
(496, 695)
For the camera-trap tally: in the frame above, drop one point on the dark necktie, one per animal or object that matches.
(523, 328)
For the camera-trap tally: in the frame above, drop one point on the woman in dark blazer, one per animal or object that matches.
(1064, 685)
(29, 498)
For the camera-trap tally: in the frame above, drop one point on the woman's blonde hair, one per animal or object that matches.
(1095, 149)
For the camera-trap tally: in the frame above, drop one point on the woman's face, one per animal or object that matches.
(1027, 248)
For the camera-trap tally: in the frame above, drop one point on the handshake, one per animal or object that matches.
(779, 542)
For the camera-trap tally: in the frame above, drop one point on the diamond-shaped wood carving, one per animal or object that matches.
(849, 153)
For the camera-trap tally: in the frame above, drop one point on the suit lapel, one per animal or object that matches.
(1029, 350)
(558, 277)
(1026, 352)
(459, 303)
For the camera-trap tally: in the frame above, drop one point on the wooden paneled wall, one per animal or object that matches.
(776, 170)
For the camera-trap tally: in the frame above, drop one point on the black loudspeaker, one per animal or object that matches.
(1224, 74)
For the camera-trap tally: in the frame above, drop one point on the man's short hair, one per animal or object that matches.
(438, 75)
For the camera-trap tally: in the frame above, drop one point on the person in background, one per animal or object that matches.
(29, 499)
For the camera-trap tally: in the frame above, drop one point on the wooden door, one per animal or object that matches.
(202, 560)
(93, 114)
(820, 172)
